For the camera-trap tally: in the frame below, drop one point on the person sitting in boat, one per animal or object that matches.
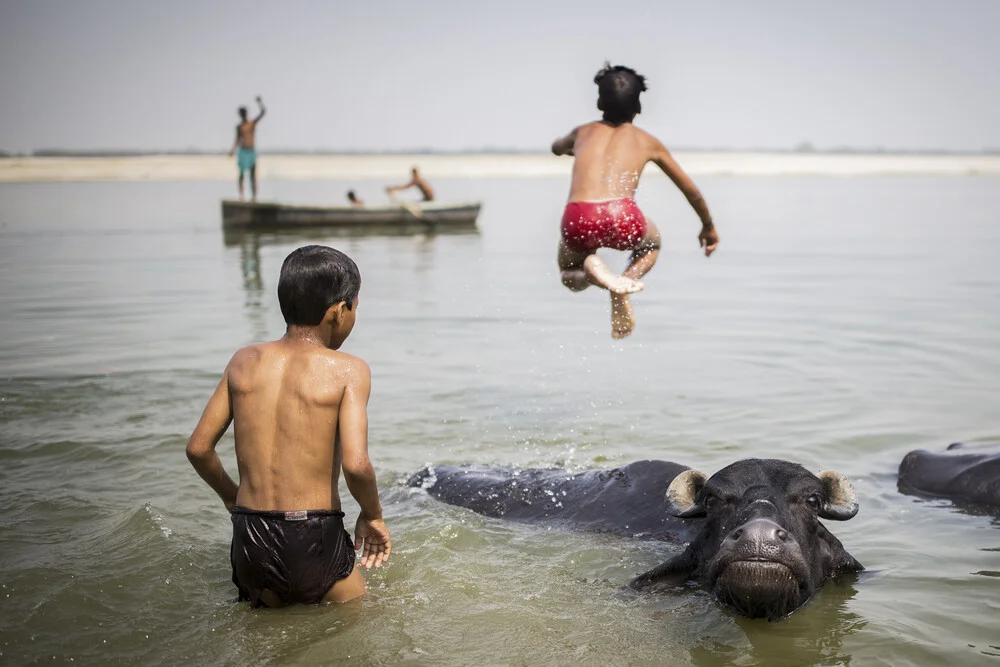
(353, 198)
(416, 181)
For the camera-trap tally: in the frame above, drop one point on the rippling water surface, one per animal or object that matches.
(842, 323)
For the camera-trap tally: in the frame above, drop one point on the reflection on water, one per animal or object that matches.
(304, 235)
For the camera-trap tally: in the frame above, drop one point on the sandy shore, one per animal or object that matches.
(382, 167)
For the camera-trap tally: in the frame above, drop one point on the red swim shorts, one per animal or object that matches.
(589, 225)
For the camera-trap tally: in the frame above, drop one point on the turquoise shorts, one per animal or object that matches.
(246, 158)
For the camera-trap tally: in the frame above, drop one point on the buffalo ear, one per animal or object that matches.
(841, 503)
(683, 492)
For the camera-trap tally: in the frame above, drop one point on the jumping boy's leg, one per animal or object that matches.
(571, 268)
(645, 255)
(642, 260)
(253, 182)
(240, 182)
(579, 270)
(622, 316)
(348, 588)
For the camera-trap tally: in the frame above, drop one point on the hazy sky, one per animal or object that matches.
(503, 73)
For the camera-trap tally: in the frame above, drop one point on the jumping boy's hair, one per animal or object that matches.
(242, 111)
(618, 91)
(313, 278)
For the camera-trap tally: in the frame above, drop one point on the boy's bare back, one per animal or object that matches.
(609, 159)
(289, 399)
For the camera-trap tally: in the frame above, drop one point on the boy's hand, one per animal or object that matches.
(708, 239)
(374, 534)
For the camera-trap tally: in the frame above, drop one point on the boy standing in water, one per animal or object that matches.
(299, 412)
(609, 158)
(246, 158)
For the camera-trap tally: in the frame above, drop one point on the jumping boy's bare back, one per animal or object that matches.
(610, 155)
(299, 410)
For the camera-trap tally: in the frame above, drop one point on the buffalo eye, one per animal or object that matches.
(709, 502)
(814, 501)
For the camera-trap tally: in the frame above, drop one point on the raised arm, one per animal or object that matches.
(564, 145)
(216, 418)
(708, 238)
(260, 103)
(352, 432)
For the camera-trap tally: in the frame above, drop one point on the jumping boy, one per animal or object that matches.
(299, 411)
(609, 157)
(245, 140)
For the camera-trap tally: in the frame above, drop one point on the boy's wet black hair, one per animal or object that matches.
(618, 92)
(313, 278)
(242, 111)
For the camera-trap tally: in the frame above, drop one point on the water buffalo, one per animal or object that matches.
(630, 500)
(754, 533)
(963, 473)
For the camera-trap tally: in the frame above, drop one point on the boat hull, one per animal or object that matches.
(274, 216)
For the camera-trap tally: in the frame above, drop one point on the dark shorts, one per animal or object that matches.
(298, 556)
(589, 225)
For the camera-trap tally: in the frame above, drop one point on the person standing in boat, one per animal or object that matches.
(416, 181)
(609, 156)
(245, 143)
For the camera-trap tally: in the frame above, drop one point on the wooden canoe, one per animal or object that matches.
(274, 216)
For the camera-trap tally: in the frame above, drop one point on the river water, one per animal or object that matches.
(843, 322)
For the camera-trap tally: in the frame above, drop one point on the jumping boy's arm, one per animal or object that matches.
(352, 431)
(708, 238)
(260, 103)
(216, 418)
(564, 145)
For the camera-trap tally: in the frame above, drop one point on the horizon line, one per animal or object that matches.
(802, 149)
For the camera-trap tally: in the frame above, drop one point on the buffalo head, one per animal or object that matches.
(761, 548)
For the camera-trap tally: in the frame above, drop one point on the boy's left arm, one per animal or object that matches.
(216, 418)
(708, 238)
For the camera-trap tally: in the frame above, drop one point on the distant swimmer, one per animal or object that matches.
(353, 198)
(299, 410)
(246, 159)
(609, 157)
(416, 181)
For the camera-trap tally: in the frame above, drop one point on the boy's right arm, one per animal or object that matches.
(352, 432)
(708, 238)
(236, 142)
(214, 422)
(564, 145)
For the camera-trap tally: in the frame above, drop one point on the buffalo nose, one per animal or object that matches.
(760, 531)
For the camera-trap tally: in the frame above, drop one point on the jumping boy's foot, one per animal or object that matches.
(622, 316)
(599, 273)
